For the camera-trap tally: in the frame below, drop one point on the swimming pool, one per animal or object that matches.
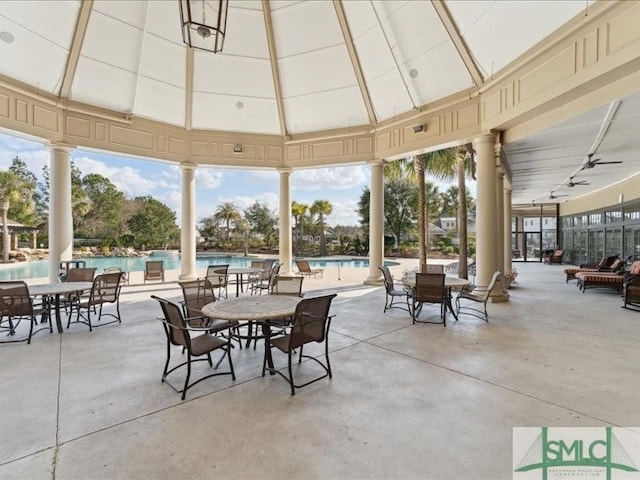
(40, 269)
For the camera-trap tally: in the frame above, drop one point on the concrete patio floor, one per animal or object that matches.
(406, 401)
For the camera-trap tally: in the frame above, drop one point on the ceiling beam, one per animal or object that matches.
(188, 93)
(355, 61)
(275, 70)
(461, 46)
(76, 47)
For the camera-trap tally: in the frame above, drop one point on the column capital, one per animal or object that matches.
(284, 170)
(375, 163)
(485, 138)
(61, 146)
(188, 167)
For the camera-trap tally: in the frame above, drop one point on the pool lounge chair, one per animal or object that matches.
(154, 270)
(306, 270)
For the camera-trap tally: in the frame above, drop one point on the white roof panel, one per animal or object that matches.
(159, 52)
(498, 32)
(221, 112)
(305, 27)
(326, 110)
(233, 76)
(102, 85)
(160, 101)
(319, 71)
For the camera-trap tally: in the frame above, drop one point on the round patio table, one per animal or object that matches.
(449, 283)
(55, 290)
(239, 272)
(259, 309)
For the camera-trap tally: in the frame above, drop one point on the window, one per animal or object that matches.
(632, 212)
(595, 218)
(612, 216)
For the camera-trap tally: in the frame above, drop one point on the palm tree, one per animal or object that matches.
(440, 164)
(464, 166)
(12, 189)
(298, 211)
(322, 208)
(227, 213)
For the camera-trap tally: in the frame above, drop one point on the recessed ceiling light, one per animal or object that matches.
(7, 37)
(239, 105)
(413, 73)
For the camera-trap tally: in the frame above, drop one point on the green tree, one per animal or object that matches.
(439, 164)
(400, 200)
(12, 189)
(106, 207)
(322, 208)
(227, 213)
(27, 211)
(153, 224)
(262, 220)
(298, 210)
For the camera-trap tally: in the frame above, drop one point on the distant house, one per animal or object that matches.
(448, 224)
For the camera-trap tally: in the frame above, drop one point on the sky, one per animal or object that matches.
(341, 186)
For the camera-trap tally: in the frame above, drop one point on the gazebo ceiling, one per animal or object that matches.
(131, 58)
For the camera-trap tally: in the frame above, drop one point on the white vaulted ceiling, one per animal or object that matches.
(132, 59)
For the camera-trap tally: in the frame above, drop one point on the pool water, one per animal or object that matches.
(40, 269)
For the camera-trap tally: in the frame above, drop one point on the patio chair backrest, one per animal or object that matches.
(492, 284)
(105, 289)
(431, 268)
(197, 293)
(154, 269)
(15, 300)
(310, 322)
(80, 275)
(256, 263)
(388, 279)
(174, 324)
(635, 268)
(287, 286)
(217, 275)
(429, 288)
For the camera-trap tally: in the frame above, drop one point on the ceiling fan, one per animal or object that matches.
(591, 162)
(572, 184)
(552, 196)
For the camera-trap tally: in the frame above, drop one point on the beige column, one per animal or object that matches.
(500, 243)
(14, 241)
(285, 245)
(376, 223)
(60, 219)
(500, 216)
(188, 224)
(508, 267)
(487, 258)
(33, 243)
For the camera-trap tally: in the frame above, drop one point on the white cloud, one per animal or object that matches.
(127, 179)
(207, 178)
(343, 213)
(244, 201)
(334, 178)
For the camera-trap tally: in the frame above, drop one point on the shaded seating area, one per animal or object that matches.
(475, 304)
(179, 333)
(311, 323)
(306, 270)
(392, 294)
(154, 271)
